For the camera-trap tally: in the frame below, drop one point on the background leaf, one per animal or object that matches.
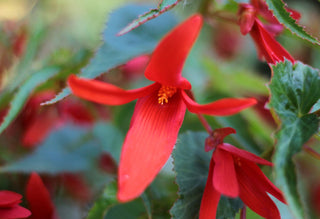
(191, 163)
(279, 11)
(105, 201)
(117, 50)
(70, 149)
(62, 151)
(163, 6)
(24, 92)
(294, 90)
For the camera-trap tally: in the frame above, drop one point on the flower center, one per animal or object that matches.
(165, 92)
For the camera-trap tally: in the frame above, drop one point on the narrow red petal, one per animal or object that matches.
(38, 198)
(224, 175)
(210, 198)
(167, 60)
(8, 198)
(255, 198)
(153, 133)
(223, 107)
(14, 212)
(105, 93)
(272, 51)
(257, 176)
(244, 154)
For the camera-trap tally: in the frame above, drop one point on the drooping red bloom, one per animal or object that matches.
(9, 206)
(268, 48)
(159, 111)
(38, 198)
(234, 173)
(273, 26)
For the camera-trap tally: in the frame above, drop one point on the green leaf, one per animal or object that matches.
(108, 207)
(62, 151)
(23, 70)
(191, 164)
(70, 149)
(117, 50)
(294, 91)
(24, 92)
(163, 6)
(283, 16)
(110, 138)
(134, 209)
(104, 202)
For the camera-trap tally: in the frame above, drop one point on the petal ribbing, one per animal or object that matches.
(106, 93)
(167, 60)
(153, 133)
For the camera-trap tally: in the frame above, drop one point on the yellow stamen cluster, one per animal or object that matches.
(165, 92)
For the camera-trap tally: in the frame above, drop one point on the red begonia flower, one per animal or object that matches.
(234, 173)
(273, 25)
(268, 48)
(38, 198)
(159, 111)
(9, 206)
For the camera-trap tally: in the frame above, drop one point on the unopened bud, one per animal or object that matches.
(247, 16)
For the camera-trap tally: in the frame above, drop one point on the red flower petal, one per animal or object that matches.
(294, 14)
(247, 14)
(76, 186)
(105, 93)
(38, 129)
(255, 198)
(244, 154)
(8, 198)
(167, 60)
(224, 175)
(210, 198)
(76, 112)
(217, 137)
(267, 46)
(153, 133)
(259, 179)
(38, 198)
(223, 107)
(14, 212)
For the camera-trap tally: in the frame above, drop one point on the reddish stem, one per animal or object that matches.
(203, 120)
(311, 151)
(243, 212)
(205, 123)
